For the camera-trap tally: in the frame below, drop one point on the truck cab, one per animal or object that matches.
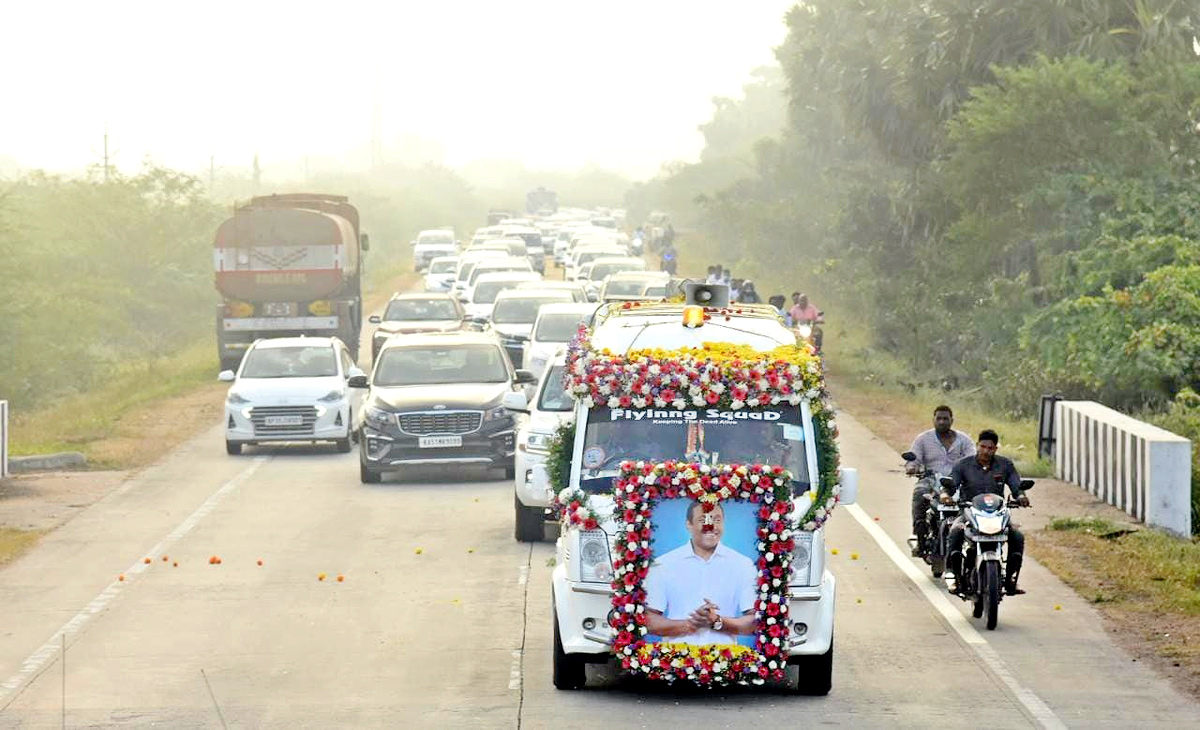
(725, 418)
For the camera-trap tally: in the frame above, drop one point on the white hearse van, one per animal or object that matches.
(721, 431)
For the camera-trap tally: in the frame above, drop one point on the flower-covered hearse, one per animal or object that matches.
(702, 466)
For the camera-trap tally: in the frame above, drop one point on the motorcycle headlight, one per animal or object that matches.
(595, 564)
(495, 414)
(805, 331)
(332, 396)
(539, 442)
(989, 524)
(377, 418)
(802, 559)
(236, 399)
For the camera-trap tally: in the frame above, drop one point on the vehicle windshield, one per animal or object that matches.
(464, 271)
(443, 267)
(434, 365)
(522, 311)
(487, 291)
(305, 361)
(655, 291)
(553, 397)
(420, 310)
(760, 436)
(624, 288)
(559, 327)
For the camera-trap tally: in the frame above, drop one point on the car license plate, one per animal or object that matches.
(284, 421)
(439, 442)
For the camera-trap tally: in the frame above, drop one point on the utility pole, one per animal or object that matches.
(212, 174)
(257, 173)
(106, 157)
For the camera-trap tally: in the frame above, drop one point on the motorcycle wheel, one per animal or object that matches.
(990, 593)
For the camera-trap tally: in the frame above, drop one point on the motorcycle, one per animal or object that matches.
(668, 262)
(938, 519)
(987, 526)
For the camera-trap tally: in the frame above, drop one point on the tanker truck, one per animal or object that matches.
(288, 265)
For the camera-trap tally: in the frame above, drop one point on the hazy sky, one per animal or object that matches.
(551, 83)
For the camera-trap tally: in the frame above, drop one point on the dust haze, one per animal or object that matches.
(550, 85)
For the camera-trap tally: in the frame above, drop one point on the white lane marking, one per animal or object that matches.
(514, 673)
(1037, 709)
(523, 578)
(39, 659)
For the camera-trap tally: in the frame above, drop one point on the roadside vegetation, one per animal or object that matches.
(990, 204)
(14, 541)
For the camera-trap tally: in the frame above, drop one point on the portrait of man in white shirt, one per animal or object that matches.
(702, 592)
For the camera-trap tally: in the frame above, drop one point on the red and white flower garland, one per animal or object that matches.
(638, 488)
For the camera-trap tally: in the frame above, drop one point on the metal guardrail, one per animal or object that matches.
(1142, 469)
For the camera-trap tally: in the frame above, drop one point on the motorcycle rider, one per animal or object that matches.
(986, 473)
(937, 451)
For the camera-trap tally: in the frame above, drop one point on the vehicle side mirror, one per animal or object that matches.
(848, 477)
(226, 376)
(358, 381)
(1026, 485)
(412, 243)
(908, 456)
(374, 319)
(354, 372)
(364, 242)
(515, 400)
(947, 482)
(525, 377)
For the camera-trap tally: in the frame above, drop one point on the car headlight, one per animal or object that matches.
(539, 442)
(802, 559)
(332, 396)
(595, 564)
(236, 399)
(377, 418)
(495, 414)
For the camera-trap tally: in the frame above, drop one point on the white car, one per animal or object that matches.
(601, 268)
(634, 285)
(549, 408)
(429, 245)
(291, 389)
(513, 314)
(466, 264)
(555, 326)
(481, 296)
(589, 253)
(440, 275)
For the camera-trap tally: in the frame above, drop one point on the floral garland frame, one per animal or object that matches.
(715, 375)
(639, 487)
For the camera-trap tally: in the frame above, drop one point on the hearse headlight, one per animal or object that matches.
(539, 442)
(377, 418)
(595, 563)
(802, 559)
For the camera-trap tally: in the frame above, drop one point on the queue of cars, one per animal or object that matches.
(459, 370)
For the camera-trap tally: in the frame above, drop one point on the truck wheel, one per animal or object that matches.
(232, 448)
(368, 475)
(531, 526)
(343, 445)
(816, 673)
(570, 672)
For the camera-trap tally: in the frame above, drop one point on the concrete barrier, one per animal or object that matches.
(1139, 468)
(47, 462)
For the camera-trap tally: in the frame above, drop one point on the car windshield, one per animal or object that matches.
(522, 311)
(464, 271)
(433, 365)
(624, 288)
(553, 397)
(486, 291)
(655, 291)
(420, 309)
(443, 267)
(304, 361)
(761, 436)
(558, 327)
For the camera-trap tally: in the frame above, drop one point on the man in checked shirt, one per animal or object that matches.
(937, 451)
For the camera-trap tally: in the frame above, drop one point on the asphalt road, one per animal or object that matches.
(443, 620)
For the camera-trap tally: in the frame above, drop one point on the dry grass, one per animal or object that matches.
(13, 542)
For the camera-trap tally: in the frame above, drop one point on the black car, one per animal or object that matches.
(436, 399)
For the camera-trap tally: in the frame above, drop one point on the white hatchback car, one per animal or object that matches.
(550, 407)
(291, 389)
